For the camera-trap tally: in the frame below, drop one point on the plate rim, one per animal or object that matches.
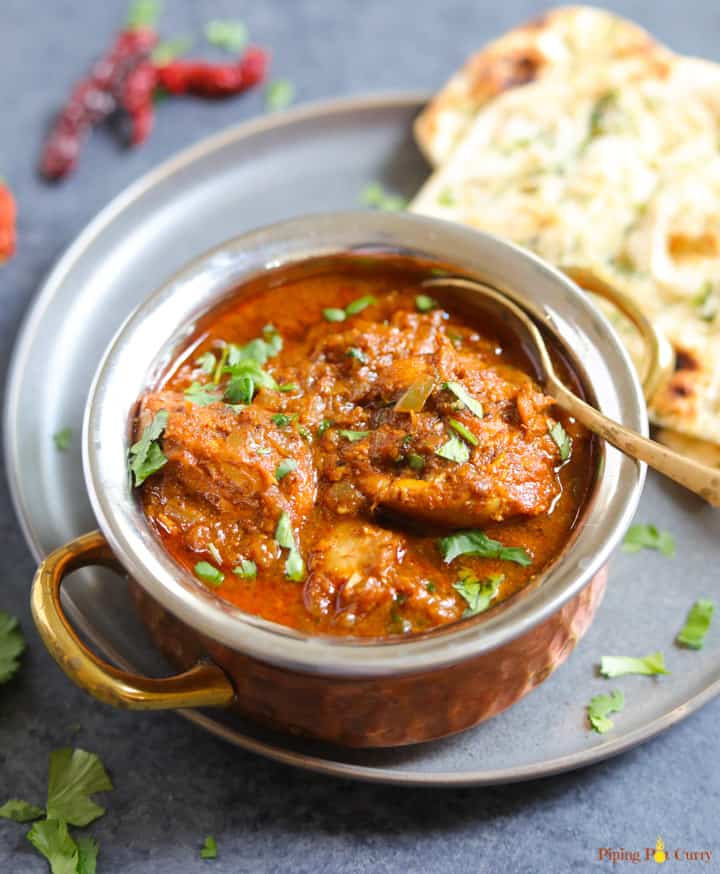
(408, 100)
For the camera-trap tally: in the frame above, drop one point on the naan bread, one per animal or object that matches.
(615, 168)
(564, 38)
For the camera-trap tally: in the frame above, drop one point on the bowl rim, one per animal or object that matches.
(215, 274)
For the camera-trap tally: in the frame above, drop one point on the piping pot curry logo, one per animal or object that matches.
(659, 854)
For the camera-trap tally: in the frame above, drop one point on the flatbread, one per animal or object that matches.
(615, 168)
(555, 43)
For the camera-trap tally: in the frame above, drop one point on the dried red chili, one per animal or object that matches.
(214, 80)
(136, 99)
(7, 223)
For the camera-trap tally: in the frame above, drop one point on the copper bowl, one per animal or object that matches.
(349, 691)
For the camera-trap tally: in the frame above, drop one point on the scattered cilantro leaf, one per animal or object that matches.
(375, 196)
(599, 708)
(240, 390)
(286, 466)
(288, 386)
(478, 594)
(51, 839)
(464, 432)
(12, 645)
(431, 587)
(477, 543)
(333, 314)
(246, 569)
(357, 306)
(424, 303)
(202, 395)
(295, 566)
(62, 439)
(206, 362)
(706, 302)
(279, 94)
(648, 537)
(209, 848)
(304, 432)
(353, 436)
(282, 420)
(357, 354)
(446, 198)
(20, 811)
(208, 574)
(215, 553)
(465, 398)
(283, 533)
(229, 35)
(74, 776)
(168, 50)
(143, 14)
(323, 426)
(618, 666)
(415, 461)
(87, 854)
(284, 537)
(146, 456)
(696, 625)
(561, 440)
(454, 450)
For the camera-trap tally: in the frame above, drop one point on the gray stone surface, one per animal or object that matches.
(175, 784)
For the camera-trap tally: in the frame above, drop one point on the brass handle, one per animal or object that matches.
(660, 353)
(205, 685)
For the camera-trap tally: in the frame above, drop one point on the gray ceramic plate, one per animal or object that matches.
(320, 158)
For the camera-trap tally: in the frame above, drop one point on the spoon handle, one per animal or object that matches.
(699, 478)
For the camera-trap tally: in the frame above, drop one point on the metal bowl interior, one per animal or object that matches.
(148, 340)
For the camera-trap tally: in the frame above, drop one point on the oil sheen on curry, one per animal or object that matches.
(338, 452)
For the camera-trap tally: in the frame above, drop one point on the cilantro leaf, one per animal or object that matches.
(284, 537)
(465, 398)
(62, 439)
(283, 533)
(229, 35)
(375, 196)
(240, 390)
(648, 537)
(143, 13)
(424, 303)
(446, 198)
(146, 457)
(357, 306)
(12, 645)
(279, 94)
(599, 708)
(74, 775)
(478, 594)
(20, 811)
(473, 542)
(295, 566)
(206, 362)
(416, 462)
(334, 314)
(323, 426)
(282, 420)
(353, 436)
(561, 440)
(618, 666)
(697, 624)
(209, 848)
(246, 569)
(53, 841)
(357, 354)
(288, 386)
(286, 466)
(209, 574)
(464, 432)
(454, 450)
(214, 552)
(165, 52)
(87, 855)
(202, 395)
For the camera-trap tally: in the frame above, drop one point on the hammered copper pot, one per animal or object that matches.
(349, 691)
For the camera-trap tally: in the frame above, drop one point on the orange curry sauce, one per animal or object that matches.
(318, 504)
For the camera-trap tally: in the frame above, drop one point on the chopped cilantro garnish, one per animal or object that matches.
(202, 395)
(323, 426)
(20, 811)
(375, 196)
(143, 13)
(279, 94)
(240, 390)
(304, 432)
(464, 432)
(288, 386)
(415, 461)
(424, 303)
(74, 776)
(648, 537)
(229, 35)
(599, 708)
(246, 569)
(618, 666)
(209, 574)
(209, 848)
(474, 542)
(146, 456)
(282, 420)
(696, 625)
(52, 840)
(455, 450)
(561, 440)
(357, 306)
(431, 587)
(215, 553)
(357, 354)
(707, 303)
(169, 49)
(446, 198)
(353, 436)
(206, 362)
(294, 564)
(333, 314)
(12, 645)
(62, 439)
(286, 466)
(465, 398)
(478, 594)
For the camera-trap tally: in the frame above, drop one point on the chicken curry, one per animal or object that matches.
(337, 451)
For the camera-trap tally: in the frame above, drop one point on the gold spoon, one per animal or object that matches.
(699, 478)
